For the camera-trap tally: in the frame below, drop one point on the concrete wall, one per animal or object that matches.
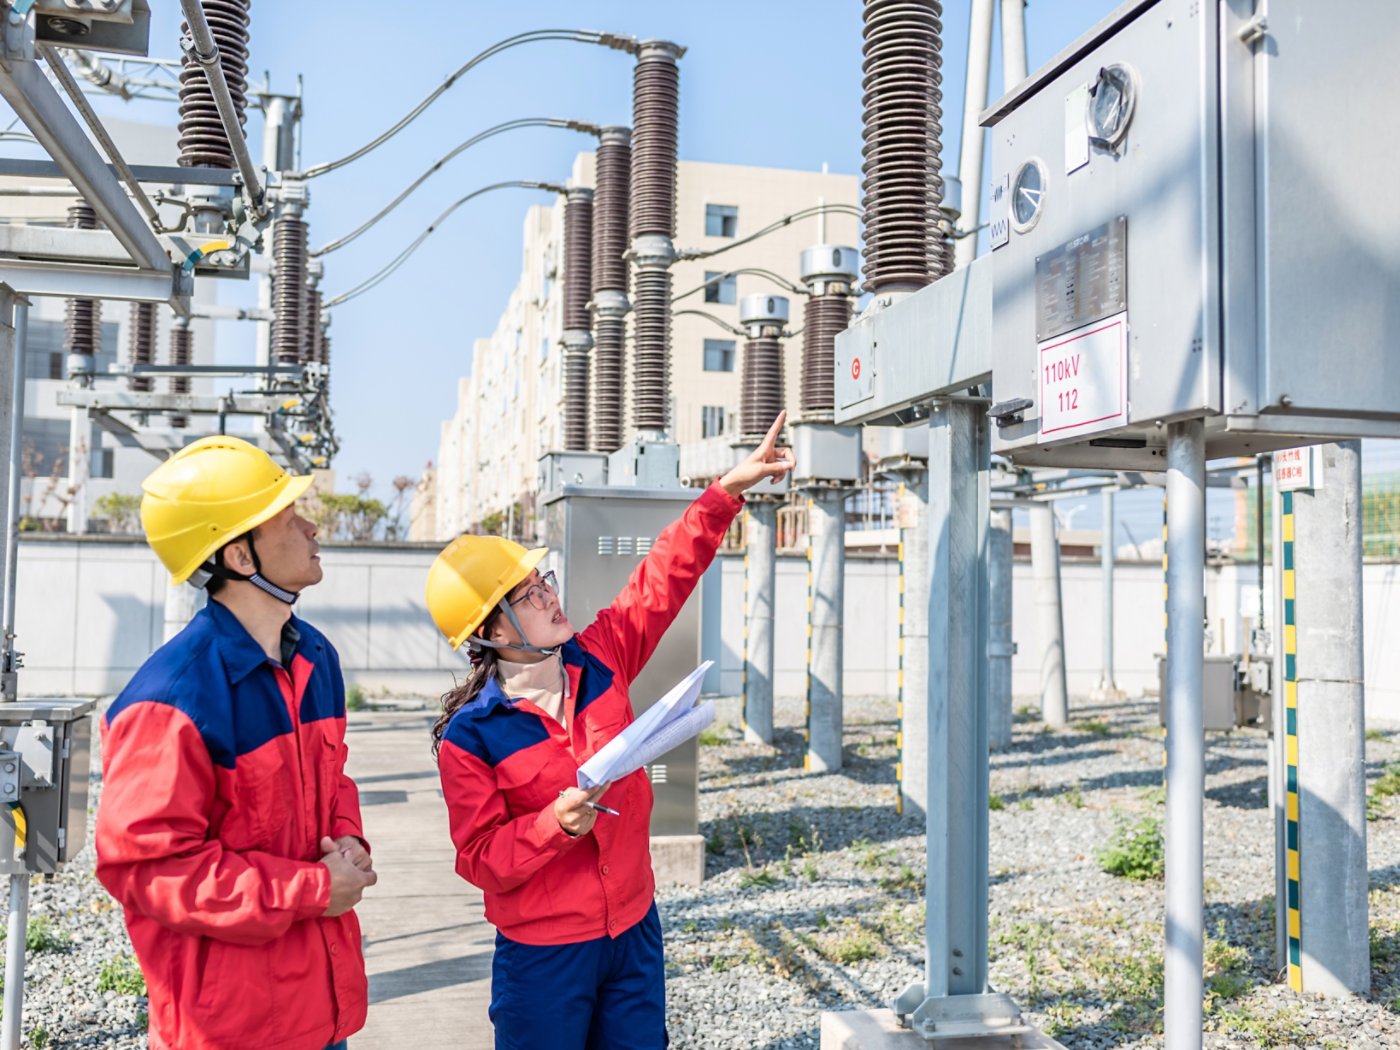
(91, 611)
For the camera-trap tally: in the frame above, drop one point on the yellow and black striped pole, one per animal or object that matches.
(1290, 705)
(807, 690)
(899, 675)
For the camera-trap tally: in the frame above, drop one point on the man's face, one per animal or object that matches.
(287, 549)
(536, 606)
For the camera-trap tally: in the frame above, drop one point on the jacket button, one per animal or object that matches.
(605, 869)
(333, 949)
(612, 924)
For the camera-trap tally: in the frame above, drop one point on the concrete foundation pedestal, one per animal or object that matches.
(678, 859)
(879, 1030)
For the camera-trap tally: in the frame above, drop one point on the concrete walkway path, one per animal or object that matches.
(427, 945)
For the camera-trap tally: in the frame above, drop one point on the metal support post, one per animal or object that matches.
(1000, 647)
(826, 598)
(1326, 753)
(913, 641)
(1013, 43)
(79, 469)
(10, 1024)
(979, 62)
(760, 585)
(1050, 620)
(1107, 689)
(1186, 600)
(953, 999)
(11, 431)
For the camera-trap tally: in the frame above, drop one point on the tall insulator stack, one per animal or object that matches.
(203, 141)
(829, 271)
(311, 340)
(578, 340)
(323, 355)
(655, 103)
(181, 353)
(143, 343)
(610, 286)
(762, 381)
(902, 190)
(289, 257)
(82, 323)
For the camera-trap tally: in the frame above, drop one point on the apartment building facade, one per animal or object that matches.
(509, 409)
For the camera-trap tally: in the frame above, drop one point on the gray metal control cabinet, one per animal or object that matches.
(1192, 217)
(44, 751)
(602, 534)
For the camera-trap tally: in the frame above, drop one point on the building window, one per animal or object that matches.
(719, 355)
(711, 420)
(721, 220)
(720, 288)
(544, 349)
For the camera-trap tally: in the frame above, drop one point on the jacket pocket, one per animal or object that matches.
(260, 808)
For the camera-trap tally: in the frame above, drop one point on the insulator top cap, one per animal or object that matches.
(761, 309)
(830, 262)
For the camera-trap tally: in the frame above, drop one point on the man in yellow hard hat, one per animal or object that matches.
(228, 829)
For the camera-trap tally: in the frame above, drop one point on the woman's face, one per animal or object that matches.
(536, 605)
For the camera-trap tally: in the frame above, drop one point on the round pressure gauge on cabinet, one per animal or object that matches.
(1112, 99)
(1028, 194)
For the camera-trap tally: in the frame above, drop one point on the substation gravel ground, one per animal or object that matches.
(813, 897)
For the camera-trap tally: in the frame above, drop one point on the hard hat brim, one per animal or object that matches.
(528, 564)
(296, 487)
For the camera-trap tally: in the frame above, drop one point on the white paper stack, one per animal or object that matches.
(668, 723)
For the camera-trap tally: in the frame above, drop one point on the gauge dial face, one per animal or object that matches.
(1112, 100)
(1027, 195)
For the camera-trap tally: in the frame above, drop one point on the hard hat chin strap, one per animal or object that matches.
(477, 642)
(214, 568)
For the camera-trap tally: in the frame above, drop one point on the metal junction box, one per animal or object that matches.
(1191, 217)
(826, 453)
(602, 534)
(44, 751)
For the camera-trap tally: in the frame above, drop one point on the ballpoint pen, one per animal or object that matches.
(598, 806)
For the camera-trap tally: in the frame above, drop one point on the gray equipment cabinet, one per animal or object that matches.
(44, 750)
(601, 535)
(1190, 219)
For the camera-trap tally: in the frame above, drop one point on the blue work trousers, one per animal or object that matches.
(603, 994)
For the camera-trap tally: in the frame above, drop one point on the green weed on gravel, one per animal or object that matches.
(1227, 970)
(122, 975)
(1386, 786)
(1135, 851)
(712, 736)
(1266, 1028)
(42, 936)
(1093, 727)
(1377, 734)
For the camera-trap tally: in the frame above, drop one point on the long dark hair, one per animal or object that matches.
(483, 669)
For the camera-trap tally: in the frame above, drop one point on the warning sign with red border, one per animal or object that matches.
(1083, 379)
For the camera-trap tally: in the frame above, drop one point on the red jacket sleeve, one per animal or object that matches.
(494, 852)
(345, 814)
(154, 853)
(629, 629)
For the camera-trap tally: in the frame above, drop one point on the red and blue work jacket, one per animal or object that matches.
(504, 761)
(222, 771)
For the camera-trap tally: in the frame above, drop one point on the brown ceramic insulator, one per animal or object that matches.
(607, 378)
(288, 290)
(824, 316)
(761, 391)
(575, 399)
(324, 350)
(651, 350)
(902, 190)
(181, 353)
(143, 343)
(611, 190)
(203, 141)
(82, 321)
(311, 340)
(655, 99)
(578, 259)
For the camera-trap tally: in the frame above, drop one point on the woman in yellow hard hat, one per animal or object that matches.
(570, 893)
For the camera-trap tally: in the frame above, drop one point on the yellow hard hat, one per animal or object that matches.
(469, 579)
(208, 494)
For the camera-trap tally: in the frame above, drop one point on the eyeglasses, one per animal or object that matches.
(539, 594)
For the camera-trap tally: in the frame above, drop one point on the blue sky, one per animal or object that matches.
(774, 83)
